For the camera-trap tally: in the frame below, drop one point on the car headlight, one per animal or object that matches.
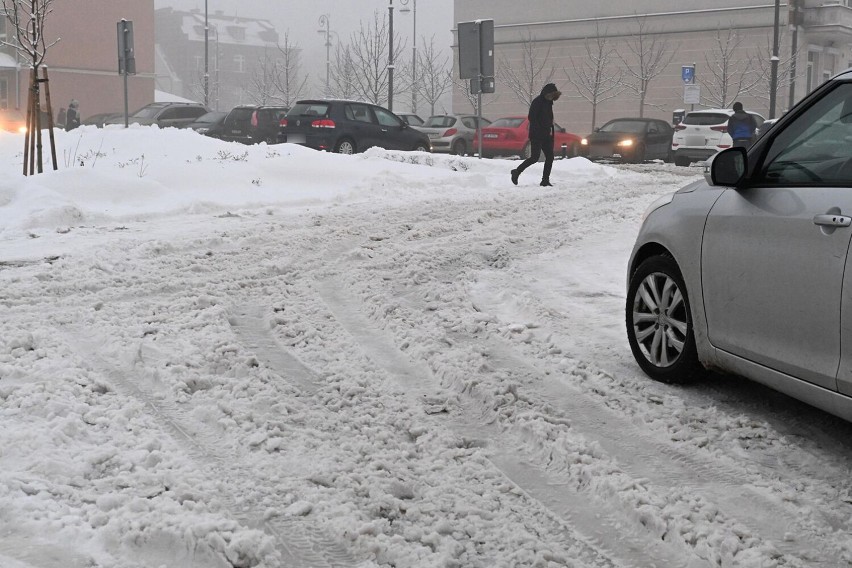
(626, 143)
(659, 202)
(584, 142)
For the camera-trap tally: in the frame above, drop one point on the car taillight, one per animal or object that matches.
(323, 123)
(680, 127)
(450, 132)
(254, 119)
(720, 128)
(282, 123)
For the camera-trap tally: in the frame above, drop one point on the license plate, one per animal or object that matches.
(294, 138)
(434, 135)
(489, 136)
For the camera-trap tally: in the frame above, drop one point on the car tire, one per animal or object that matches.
(459, 148)
(681, 161)
(345, 146)
(669, 157)
(420, 147)
(639, 154)
(659, 322)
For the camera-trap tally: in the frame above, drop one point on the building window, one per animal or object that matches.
(4, 93)
(240, 63)
(237, 32)
(812, 58)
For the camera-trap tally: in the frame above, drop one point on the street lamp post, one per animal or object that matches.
(206, 58)
(773, 79)
(406, 9)
(325, 21)
(390, 56)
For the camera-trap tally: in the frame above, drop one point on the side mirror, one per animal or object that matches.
(726, 168)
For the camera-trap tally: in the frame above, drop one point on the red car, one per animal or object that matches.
(509, 136)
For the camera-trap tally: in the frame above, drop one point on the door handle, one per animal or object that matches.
(829, 220)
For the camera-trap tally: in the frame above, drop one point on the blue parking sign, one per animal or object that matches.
(687, 73)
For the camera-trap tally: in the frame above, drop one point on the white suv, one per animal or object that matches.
(703, 133)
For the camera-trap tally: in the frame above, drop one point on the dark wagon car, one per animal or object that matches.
(630, 140)
(347, 127)
(175, 115)
(251, 124)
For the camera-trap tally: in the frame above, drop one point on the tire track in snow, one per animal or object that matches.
(299, 544)
(583, 518)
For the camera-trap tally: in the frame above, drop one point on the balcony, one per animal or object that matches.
(829, 22)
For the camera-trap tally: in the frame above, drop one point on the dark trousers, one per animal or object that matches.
(536, 148)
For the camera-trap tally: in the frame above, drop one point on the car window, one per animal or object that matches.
(816, 148)
(170, 114)
(440, 121)
(470, 122)
(414, 120)
(239, 116)
(147, 112)
(507, 122)
(358, 113)
(190, 112)
(309, 109)
(705, 118)
(386, 118)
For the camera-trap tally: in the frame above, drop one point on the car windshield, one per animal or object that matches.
(631, 126)
(440, 121)
(309, 109)
(705, 118)
(507, 123)
(147, 112)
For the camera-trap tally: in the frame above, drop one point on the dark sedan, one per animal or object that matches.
(630, 140)
(347, 127)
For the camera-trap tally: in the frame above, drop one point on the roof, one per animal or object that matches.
(231, 30)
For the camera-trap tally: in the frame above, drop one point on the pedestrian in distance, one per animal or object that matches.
(72, 115)
(60, 120)
(541, 133)
(741, 126)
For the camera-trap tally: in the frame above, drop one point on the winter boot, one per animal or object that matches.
(545, 183)
(515, 174)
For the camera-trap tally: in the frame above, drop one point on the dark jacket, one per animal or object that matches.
(541, 115)
(741, 126)
(72, 118)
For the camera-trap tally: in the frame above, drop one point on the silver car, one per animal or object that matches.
(452, 133)
(746, 272)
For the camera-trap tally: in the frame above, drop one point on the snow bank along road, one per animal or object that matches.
(440, 383)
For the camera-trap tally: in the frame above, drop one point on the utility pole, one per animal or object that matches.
(206, 59)
(390, 56)
(325, 21)
(793, 16)
(773, 79)
(406, 9)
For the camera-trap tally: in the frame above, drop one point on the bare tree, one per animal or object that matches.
(264, 80)
(27, 20)
(369, 49)
(652, 55)
(343, 74)
(593, 78)
(730, 71)
(288, 85)
(763, 69)
(527, 80)
(434, 77)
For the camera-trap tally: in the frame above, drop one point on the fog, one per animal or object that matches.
(301, 20)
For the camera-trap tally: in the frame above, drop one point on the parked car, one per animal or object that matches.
(176, 115)
(209, 124)
(411, 119)
(452, 133)
(630, 140)
(745, 272)
(101, 118)
(252, 124)
(703, 133)
(765, 126)
(509, 136)
(348, 127)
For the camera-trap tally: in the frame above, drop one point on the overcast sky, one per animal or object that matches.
(301, 19)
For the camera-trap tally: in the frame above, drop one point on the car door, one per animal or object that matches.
(774, 253)
(361, 126)
(393, 135)
(658, 140)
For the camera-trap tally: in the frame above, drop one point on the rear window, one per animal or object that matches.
(507, 122)
(440, 121)
(239, 115)
(705, 118)
(309, 109)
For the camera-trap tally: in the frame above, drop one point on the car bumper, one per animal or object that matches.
(695, 154)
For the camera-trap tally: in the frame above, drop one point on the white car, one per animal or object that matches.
(702, 134)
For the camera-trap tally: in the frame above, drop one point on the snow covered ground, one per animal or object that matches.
(215, 356)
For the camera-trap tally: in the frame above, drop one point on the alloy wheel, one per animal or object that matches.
(660, 319)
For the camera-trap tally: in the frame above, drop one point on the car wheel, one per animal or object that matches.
(669, 157)
(681, 161)
(345, 146)
(459, 148)
(420, 147)
(659, 322)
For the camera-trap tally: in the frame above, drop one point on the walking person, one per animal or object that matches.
(72, 115)
(541, 133)
(741, 126)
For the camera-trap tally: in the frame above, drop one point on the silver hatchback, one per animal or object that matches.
(746, 272)
(452, 133)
